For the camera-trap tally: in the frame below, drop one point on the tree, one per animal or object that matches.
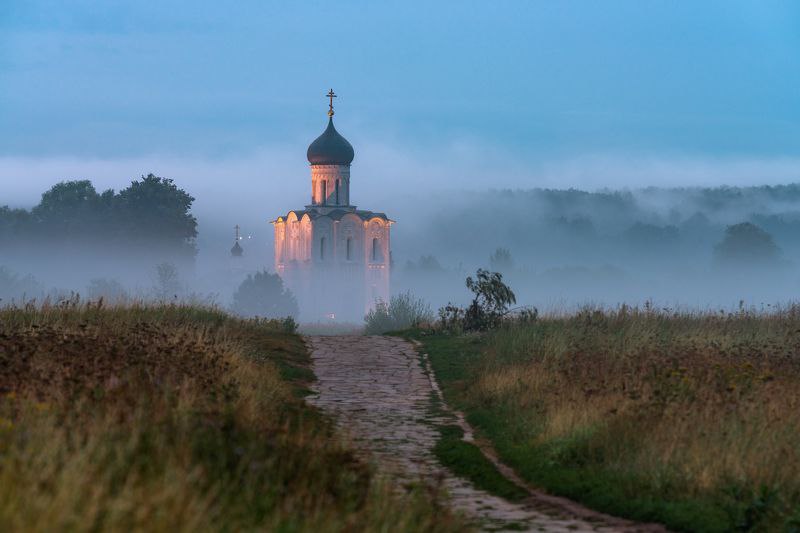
(746, 245)
(69, 209)
(15, 224)
(263, 295)
(491, 301)
(167, 284)
(155, 211)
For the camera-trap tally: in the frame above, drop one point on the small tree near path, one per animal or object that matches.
(263, 295)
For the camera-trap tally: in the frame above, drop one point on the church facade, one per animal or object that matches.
(334, 257)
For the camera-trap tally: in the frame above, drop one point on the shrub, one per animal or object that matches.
(263, 295)
(402, 312)
(487, 309)
(451, 318)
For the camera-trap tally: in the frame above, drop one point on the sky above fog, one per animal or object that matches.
(225, 96)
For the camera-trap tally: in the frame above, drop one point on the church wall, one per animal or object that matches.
(319, 272)
(377, 260)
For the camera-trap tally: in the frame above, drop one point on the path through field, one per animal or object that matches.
(380, 394)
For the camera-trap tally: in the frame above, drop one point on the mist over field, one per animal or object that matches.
(565, 241)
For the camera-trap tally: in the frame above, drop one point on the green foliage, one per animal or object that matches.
(489, 306)
(466, 460)
(69, 209)
(746, 245)
(152, 211)
(263, 295)
(402, 312)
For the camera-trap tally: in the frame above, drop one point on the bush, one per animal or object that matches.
(487, 309)
(402, 312)
(263, 295)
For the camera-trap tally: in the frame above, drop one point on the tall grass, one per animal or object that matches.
(403, 311)
(175, 418)
(692, 419)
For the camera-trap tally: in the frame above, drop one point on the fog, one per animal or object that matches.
(599, 229)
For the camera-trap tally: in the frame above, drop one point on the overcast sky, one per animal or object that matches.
(459, 94)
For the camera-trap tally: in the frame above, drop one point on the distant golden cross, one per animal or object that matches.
(331, 95)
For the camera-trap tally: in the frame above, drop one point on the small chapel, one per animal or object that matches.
(334, 257)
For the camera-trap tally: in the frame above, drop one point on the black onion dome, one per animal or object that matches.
(237, 250)
(330, 148)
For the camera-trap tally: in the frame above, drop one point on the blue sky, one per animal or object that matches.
(538, 80)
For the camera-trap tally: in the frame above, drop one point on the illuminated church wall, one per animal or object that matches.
(334, 257)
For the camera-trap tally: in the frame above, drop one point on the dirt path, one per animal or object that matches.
(380, 393)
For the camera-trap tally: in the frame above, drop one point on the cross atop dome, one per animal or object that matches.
(331, 95)
(330, 148)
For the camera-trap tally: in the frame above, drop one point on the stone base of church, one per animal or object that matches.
(341, 293)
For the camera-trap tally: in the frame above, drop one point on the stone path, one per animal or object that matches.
(380, 392)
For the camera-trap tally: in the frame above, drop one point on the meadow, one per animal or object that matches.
(687, 419)
(177, 418)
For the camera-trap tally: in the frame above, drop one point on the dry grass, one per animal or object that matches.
(175, 418)
(652, 406)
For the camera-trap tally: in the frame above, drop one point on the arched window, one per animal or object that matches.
(324, 192)
(349, 247)
(375, 249)
(322, 249)
(337, 192)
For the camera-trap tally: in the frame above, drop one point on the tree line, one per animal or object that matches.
(151, 212)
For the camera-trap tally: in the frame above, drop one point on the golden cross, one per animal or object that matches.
(331, 95)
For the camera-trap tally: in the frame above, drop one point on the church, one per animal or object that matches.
(334, 257)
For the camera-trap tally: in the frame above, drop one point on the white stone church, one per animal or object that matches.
(334, 257)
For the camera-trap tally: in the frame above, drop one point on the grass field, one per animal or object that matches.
(176, 419)
(692, 420)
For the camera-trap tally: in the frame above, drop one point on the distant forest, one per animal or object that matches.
(546, 227)
(151, 213)
(699, 245)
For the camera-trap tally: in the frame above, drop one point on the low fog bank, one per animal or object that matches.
(560, 247)
(680, 247)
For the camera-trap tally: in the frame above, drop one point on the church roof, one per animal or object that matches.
(337, 214)
(237, 250)
(330, 148)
